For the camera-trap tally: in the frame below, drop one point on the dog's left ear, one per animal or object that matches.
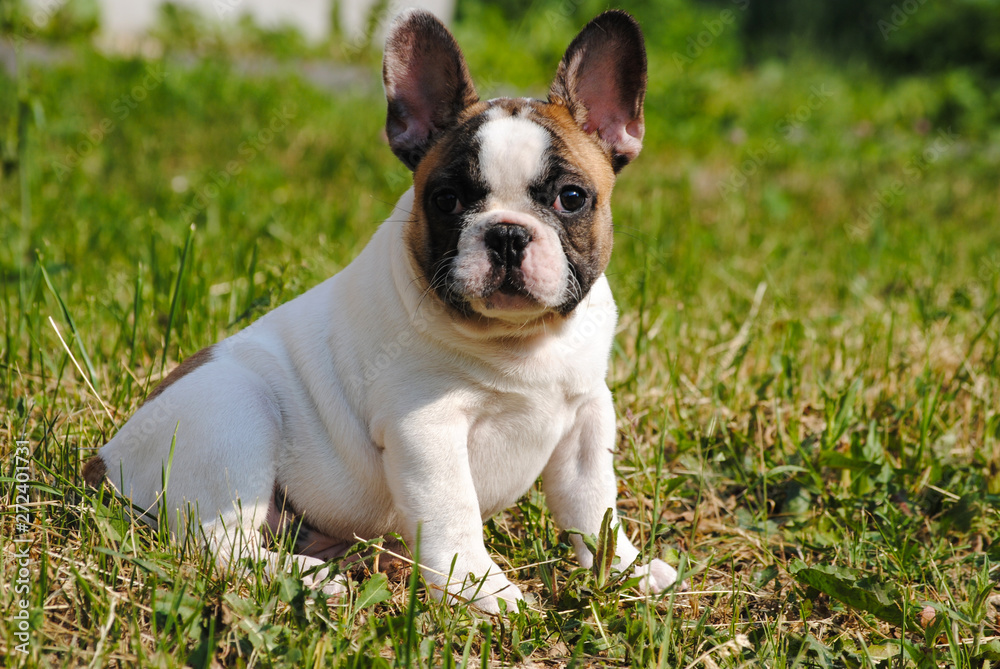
(427, 83)
(602, 81)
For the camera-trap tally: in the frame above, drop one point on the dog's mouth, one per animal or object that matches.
(512, 295)
(504, 295)
(502, 304)
(512, 283)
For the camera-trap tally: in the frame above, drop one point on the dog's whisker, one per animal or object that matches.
(439, 277)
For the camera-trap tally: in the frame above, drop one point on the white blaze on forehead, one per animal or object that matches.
(511, 153)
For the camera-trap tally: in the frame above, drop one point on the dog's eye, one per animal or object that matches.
(571, 198)
(447, 202)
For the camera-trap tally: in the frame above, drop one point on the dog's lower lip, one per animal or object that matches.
(502, 300)
(510, 295)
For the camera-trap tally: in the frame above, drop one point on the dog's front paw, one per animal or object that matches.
(482, 594)
(487, 599)
(321, 580)
(656, 576)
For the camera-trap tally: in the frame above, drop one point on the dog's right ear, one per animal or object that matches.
(427, 84)
(602, 81)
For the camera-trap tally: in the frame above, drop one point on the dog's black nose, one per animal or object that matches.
(507, 242)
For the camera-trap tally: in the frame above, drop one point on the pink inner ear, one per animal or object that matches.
(598, 91)
(412, 92)
(425, 82)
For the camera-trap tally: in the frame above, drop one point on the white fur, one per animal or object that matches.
(379, 412)
(511, 150)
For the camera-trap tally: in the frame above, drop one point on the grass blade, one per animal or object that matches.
(176, 297)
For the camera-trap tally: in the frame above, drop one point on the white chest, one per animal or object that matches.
(510, 442)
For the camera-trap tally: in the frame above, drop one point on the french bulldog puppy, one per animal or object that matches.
(462, 355)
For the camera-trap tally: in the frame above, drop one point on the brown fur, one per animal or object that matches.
(585, 150)
(416, 230)
(189, 365)
(594, 113)
(94, 470)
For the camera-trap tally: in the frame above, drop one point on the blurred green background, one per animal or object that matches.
(807, 264)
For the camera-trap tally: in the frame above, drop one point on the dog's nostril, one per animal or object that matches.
(508, 242)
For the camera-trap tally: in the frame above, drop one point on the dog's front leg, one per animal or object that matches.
(580, 487)
(427, 466)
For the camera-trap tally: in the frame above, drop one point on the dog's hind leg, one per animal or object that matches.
(203, 452)
(241, 536)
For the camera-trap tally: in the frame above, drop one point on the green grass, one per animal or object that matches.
(808, 393)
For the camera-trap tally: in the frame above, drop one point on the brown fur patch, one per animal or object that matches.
(584, 148)
(586, 151)
(94, 470)
(416, 232)
(189, 365)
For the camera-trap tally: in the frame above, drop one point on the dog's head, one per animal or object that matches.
(512, 215)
